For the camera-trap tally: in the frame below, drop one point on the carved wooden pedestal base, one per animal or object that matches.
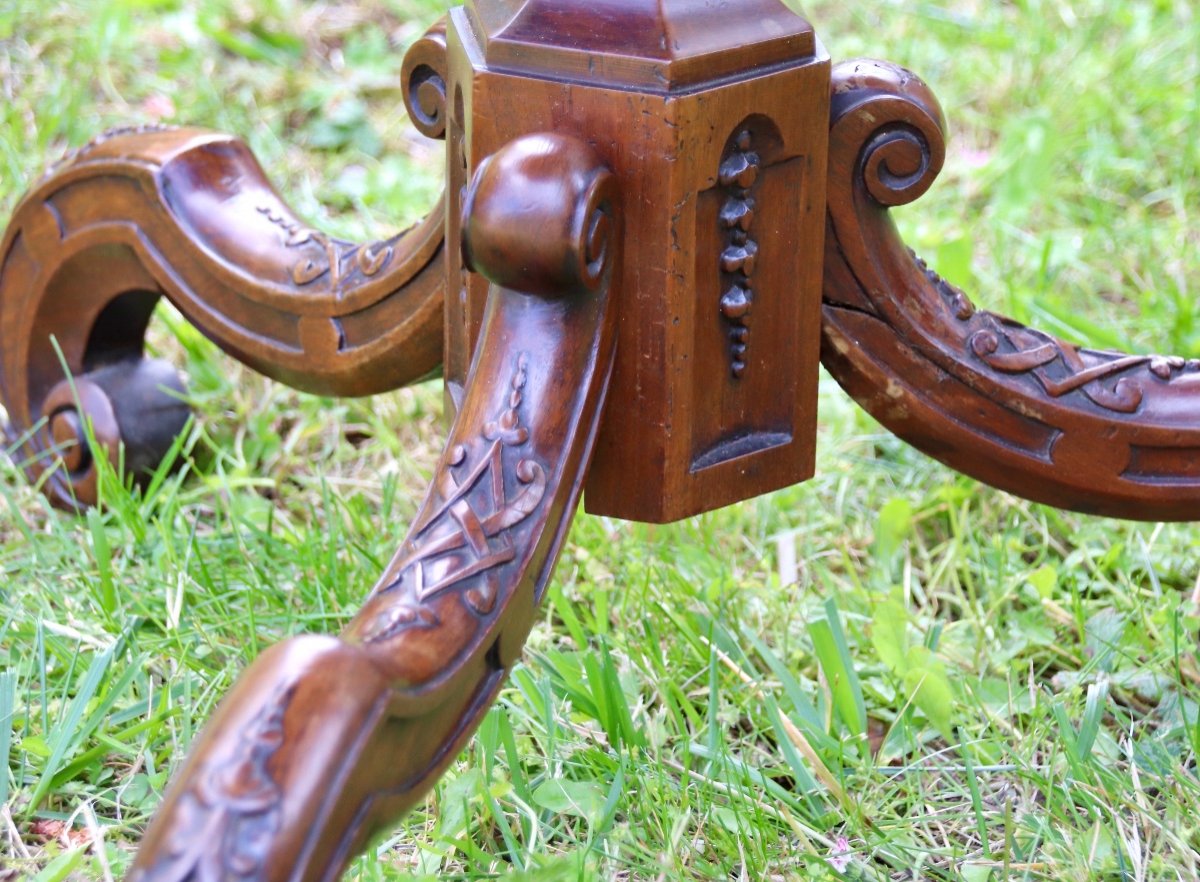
(680, 227)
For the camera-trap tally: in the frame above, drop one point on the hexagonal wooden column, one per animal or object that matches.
(713, 119)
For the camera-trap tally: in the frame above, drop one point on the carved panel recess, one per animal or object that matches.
(754, 320)
(685, 436)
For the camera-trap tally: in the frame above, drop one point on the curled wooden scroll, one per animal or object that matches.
(145, 212)
(1099, 432)
(326, 740)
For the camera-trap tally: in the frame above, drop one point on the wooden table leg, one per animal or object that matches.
(326, 739)
(1100, 432)
(189, 215)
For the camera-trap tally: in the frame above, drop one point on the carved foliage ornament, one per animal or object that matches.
(1059, 367)
(228, 818)
(1035, 353)
(339, 260)
(465, 539)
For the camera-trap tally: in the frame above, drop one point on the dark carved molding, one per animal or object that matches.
(424, 74)
(739, 173)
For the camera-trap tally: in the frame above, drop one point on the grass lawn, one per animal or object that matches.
(984, 688)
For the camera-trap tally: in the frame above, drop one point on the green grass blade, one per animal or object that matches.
(833, 654)
(69, 732)
(107, 597)
(8, 703)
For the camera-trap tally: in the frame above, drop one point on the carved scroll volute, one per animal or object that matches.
(424, 75)
(325, 741)
(1100, 432)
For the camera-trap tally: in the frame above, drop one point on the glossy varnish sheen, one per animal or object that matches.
(659, 216)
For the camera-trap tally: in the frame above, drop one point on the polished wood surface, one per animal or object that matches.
(718, 340)
(325, 741)
(189, 215)
(658, 217)
(1099, 432)
(660, 46)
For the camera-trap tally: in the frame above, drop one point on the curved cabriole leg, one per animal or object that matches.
(324, 741)
(142, 213)
(1098, 432)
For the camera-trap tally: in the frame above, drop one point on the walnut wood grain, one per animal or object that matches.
(326, 740)
(147, 212)
(1099, 432)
